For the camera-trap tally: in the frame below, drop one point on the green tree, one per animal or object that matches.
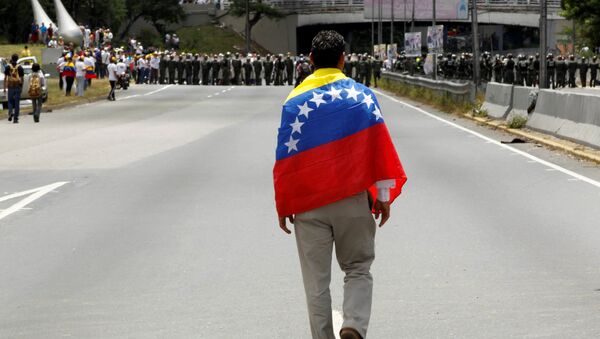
(158, 12)
(258, 10)
(586, 14)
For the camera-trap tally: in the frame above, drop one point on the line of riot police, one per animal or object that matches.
(525, 70)
(363, 68)
(219, 69)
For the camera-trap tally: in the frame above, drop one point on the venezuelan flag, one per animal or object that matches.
(89, 73)
(69, 70)
(332, 143)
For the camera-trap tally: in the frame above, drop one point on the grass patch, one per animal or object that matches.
(441, 101)
(7, 50)
(213, 39)
(517, 121)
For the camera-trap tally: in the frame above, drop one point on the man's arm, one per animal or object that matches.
(382, 205)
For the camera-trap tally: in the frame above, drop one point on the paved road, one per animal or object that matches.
(166, 227)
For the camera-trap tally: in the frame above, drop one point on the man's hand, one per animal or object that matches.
(282, 223)
(383, 209)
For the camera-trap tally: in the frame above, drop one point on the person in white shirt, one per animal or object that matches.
(112, 78)
(60, 65)
(141, 70)
(79, 76)
(90, 63)
(105, 56)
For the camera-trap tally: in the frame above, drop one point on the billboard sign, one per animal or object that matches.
(445, 9)
(412, 44)
(435, 39)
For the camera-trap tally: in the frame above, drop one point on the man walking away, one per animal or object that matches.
(112, 78)
(13, 81)
(333, 150)
(37, 82)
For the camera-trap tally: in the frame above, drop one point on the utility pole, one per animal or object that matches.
(475, 29)
(412, 22)
(392, 23)
(247, 27)
(574, 36)
(405, 17)
(372, 26)
(543, 42)
(380, 25)
(434, 52)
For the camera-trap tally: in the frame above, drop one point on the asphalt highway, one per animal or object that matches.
(153, 217)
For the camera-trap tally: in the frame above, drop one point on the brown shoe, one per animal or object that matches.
(349, 333)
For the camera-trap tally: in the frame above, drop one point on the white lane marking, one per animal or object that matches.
(338, 319)
(497, 143)
(223, 91)
(130, 97)
(572, 179)
(158, 90)
(32, 195)
(210, 96)
(217, 94)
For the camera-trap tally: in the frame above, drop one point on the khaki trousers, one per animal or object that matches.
(350, 225)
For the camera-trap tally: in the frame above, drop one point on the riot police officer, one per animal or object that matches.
(216, 67)
(550, 69)
(247, 71)
(206, 66)
(377, 66)
(561, 72)
(226, 70)
(279, 66)
(583, 70)
(258, 67)
(593, 70)
(522, 67)
(498, 68)
(236, 63)
(509, 70)
(572, 65)
(268, 66)
(196, 70)
(348, 67)
(289, 69)
(172, 65)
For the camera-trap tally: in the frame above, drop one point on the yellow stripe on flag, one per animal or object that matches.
(320, 77)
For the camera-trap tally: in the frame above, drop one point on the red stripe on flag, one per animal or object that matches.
(337, 170)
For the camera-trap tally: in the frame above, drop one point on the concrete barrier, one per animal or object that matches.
(521, 99)
(498, 100)
(573, 116)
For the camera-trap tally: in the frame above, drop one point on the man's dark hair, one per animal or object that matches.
(14, 58)
(326, 49)
(35, 67)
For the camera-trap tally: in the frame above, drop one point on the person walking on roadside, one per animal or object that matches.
(37, 82)
(112, 78)
(335, 166)
(13, 82)
(69, 72)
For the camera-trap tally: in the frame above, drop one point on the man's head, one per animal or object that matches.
(327, 50)
(14, 58)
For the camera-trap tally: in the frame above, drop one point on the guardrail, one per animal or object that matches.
(461, 91)
(502, 3)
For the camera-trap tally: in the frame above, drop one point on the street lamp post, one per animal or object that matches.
(475, 29)
(247, 26)
(379, 25)
(372, 26)
(543, 42)
(434, 52)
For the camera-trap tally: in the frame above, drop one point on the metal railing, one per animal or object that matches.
(519, 3)
(463, 91)
(307, 6)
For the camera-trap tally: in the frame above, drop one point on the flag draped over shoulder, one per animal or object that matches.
(332, 143)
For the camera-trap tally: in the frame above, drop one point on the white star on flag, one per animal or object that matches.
(296, 126)
(292, 144)
(317, 99)
(377, 113)
(368, 100)
(352, 93)
(304, 109)
(335, 93)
